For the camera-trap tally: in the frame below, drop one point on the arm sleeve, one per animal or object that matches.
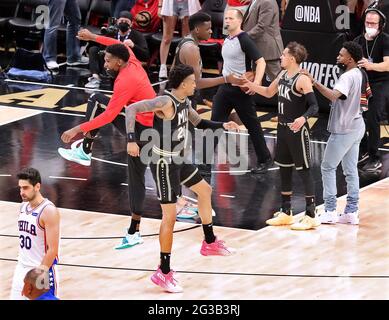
(122, 93)
(313, 106)
(249, 47)
(140, 48)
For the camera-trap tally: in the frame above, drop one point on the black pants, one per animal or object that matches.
(378, 110)
(96, 60)
(97, 103)
(228, 98)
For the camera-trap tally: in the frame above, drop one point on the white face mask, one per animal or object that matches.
(371, 32)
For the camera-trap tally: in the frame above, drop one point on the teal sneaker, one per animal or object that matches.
(129, 241)
(187, 213)
(76, 155)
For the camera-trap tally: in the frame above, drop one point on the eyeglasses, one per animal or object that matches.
(371, 23)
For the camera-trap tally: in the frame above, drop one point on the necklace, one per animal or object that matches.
(371, 51)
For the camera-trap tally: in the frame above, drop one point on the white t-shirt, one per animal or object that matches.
(346, 115)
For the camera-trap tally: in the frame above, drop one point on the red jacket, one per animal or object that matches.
(131, 85)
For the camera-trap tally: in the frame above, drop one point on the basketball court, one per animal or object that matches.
(331, 262)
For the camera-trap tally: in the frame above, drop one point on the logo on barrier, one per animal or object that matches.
(326, 74)
(307, 14)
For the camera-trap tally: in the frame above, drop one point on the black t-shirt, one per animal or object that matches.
(377, 49)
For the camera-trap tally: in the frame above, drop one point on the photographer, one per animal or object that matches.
(121, 31)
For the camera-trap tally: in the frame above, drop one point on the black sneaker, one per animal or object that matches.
(372, 166)
(262, 167)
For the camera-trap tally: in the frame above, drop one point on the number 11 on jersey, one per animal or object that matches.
(280, 107)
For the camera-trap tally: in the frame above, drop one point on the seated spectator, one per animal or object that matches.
(133, 38)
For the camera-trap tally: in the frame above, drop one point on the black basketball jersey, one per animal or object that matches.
(173, 133)
(291, 103)
(177, 60)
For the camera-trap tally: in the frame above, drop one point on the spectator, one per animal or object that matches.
(171, 10)
(34, 285)
(375, 48)
(261, 22)
(71, 10)
(134, 39)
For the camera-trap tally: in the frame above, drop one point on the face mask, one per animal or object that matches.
(371, 32)
(123, 26)
(112, 73)
(342, 66)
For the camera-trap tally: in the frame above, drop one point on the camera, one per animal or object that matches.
(111, 30)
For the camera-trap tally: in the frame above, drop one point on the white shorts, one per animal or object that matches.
(18, 281)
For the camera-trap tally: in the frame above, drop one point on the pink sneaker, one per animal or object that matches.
(166, 281)
(217, 248)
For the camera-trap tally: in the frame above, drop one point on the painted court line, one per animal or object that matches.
(68, 178)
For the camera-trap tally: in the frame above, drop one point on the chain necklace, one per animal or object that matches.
(371, 51)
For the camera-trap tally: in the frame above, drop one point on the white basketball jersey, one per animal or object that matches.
(32, 237)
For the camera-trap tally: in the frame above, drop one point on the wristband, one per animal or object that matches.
(131, 137)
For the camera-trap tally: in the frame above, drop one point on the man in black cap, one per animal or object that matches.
(133, 38)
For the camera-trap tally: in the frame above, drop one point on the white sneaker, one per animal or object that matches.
(330, 217)
(52, 65)
(83, 61)
(349, 218)
(130, 240)
(93, 83)
(162, 72)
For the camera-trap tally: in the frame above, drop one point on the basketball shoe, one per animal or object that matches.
(281, 218)
(306, 223)
(130, 240)
(349, 218)
(216, 248)
(76, 155)
(166, 281)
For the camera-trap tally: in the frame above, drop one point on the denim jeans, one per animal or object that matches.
(342, 148)
(118, 6)
(57, 9)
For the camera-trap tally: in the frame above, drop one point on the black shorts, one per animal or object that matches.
(293, 149)
(169, 177)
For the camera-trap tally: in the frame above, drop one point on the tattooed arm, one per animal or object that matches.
(200, 123)
(162, 104)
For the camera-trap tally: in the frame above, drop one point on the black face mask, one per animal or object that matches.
(112, 73)
(123, 26)
(342, 66)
